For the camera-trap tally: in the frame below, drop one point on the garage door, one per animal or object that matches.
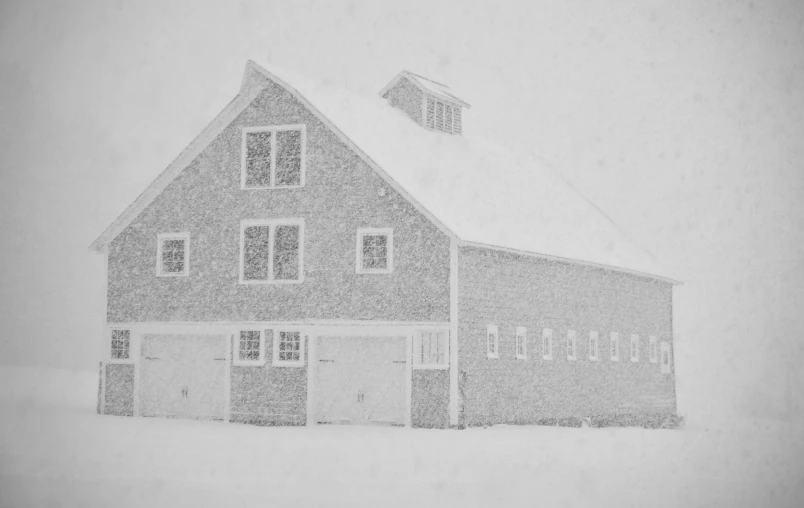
(182, 376)
(360, 380)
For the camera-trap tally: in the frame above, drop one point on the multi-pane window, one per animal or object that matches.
(615, 346)
(375, 250)
(571, 344)
(634, 348)
(431, 349)
(443, 116)
(547, 344)
(271, 251)
(121, 344)
(273, 157)
(593, 347)
(172, 253)
(521, 343)
(492, 342)
(665, 358)
(289, 347)
(250, 346)
(652, 349)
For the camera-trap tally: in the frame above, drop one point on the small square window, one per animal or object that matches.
(634, 348)
(521, 343)
(653, 349)
(492, 342)
(430, 349)
(615, 346)
(375, 250)
(173, 254)
(250, 347)
(121, 345)
(289, 348)
(593, 347)
(547, 344)
(571, 345)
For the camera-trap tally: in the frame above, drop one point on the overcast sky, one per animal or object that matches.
(684, 121)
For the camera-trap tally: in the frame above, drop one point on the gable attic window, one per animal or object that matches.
(271, 251)
(273, 157)
(443, 116)
(172, 254)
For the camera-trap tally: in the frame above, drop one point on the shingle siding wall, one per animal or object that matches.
(430, 399)
(407, 97)
(509, 290)
(269, 395)
(340, 196)
(119, 389)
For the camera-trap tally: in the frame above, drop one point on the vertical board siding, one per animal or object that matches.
(511, 290)
(341, 194)
(430, 399)
(119, 389)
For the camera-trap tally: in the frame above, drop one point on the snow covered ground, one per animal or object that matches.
(56, 451)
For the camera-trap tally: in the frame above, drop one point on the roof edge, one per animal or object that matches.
(591, 264)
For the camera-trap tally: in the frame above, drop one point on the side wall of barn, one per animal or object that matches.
(509, 291)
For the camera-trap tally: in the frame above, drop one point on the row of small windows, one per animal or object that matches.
(272, 251)
(657, 352)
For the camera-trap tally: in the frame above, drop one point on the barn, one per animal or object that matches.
(319, 256)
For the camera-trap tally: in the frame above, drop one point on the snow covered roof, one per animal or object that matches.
(469, 186)
(427, 85)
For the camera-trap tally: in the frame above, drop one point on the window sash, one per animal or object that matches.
(250, 346)
(289, 347)
(273, 157)
(271, 252)
(521, 343)
(593, 346)
(120, 348)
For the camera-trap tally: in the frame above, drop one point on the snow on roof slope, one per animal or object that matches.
(480, 191)
(435, 87)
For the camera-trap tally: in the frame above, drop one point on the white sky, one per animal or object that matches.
(684, 121)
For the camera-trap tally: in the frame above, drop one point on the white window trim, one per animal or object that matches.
(272, 223)
(275, 361)
(274, 129)
(653, 349)
(236, 348)
(547, 333)
(593, 352)
(522, 332)
(572, 336)
(417, 365)
(489, 330)
(389, 232)
(634, 352)
(666, 349)
(614, 338)
(160, 238)
(132, 351)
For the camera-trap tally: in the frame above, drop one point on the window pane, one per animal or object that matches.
(375, 252)
(255, 253)
(173, 256)
(258, 159)
(286, 253)
(288, 158)
(456, 120)
(121, 340)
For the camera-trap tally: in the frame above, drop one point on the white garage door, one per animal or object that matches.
(360, 380)
(182, 376)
